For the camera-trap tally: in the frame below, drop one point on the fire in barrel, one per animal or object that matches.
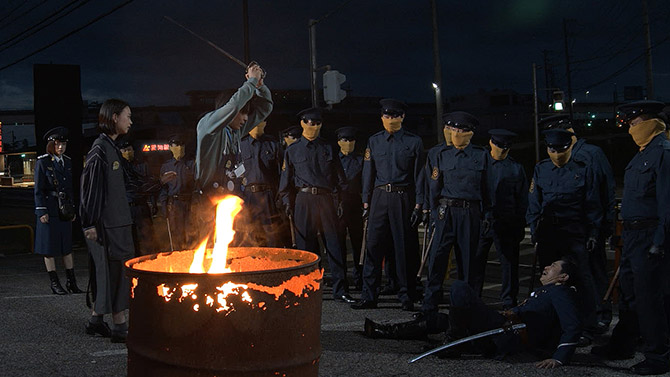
(225, 312)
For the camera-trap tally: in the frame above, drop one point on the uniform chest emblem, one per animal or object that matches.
(532, 186)
(115, 165)
(435, 173)
(244, 181)
(367, 154)
(228, 164)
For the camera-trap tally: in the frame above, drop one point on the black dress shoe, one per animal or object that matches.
(119, 336)
(408, 306)
(364, 304)
(98, 328)
(647, 367)
(345, 298)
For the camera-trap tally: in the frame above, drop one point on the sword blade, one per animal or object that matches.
(484, 334)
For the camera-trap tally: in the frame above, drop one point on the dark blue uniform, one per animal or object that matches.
(351, 221)
(564, 209)
(175, 197)
(55, 237)
(646, 214)
(311, 179)
(594, 157)
(550, 314)
(459, 200)
(509, 193)
(139, 186)
(261, 160)
(391, 169)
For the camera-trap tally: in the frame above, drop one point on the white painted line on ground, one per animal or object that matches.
(491, 286)
(35, 296)
(110, 353)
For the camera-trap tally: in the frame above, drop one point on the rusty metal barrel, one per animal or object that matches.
(263, 320)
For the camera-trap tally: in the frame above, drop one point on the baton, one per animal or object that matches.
(290, 221)
(361, 259)
(167, 219)
(217, 48)
(484, 334)
(611, 287)
(424, 254)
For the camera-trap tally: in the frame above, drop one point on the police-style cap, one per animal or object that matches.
(393, 107)
(555, 121)
(294, 131)
(56, 133)
(632, 110)
(558, 138)
(501, 137)
(176, 139)
(346, 133)
(124, 144)
(461, 120)
(313, 113)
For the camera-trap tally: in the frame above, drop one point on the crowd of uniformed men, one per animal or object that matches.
(302, 192)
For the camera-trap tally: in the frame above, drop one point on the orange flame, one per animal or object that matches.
(226, 210)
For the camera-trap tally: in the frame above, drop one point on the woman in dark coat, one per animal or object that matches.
(107, 222)
(53, 232)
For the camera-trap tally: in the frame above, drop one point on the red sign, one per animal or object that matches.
(155, 147)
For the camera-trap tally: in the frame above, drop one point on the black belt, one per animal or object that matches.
(555, 220)
(393, 188)
(640, 224)
(316, 190)
(459, 203)
(257, 188)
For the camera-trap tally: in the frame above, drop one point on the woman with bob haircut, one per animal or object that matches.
(107, 223)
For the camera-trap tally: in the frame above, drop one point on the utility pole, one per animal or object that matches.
(547, 71)
(535, 115)
(437, 84)
(245, 21)
(567, 65)
(312, 59)
(647, 38)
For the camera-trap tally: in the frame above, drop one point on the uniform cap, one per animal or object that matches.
(56, 133)
(558, 138)
(177, 139)
(313, 113)
(346, 133)
(294, 131)
(392, 106)
(501, 137)
(631, 110)
(461, 120)
(555, 121)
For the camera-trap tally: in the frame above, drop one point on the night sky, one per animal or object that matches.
(384, 47)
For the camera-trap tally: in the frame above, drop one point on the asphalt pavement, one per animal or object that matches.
(43, 334)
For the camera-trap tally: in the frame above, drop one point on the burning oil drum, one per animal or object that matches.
(262, 319)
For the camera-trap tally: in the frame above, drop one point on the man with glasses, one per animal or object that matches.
(310, 186)
(509, 193)
(564, 212)
(392, 201)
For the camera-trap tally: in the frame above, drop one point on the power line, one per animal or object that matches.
(4, 25)
(28, 35)
(39, 23)
(13, 10)
(67, 35)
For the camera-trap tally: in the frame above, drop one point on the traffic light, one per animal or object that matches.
(332, 93)
(559, 104)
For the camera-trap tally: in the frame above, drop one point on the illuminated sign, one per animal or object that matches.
(155, 147)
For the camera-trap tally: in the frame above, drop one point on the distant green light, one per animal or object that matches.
(23, 155)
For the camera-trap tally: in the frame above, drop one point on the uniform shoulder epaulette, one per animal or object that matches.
(546, 160)
(411, 134)
(378, 133)
(66, 157)
(43, 156)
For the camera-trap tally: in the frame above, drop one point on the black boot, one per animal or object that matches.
(71, 283)
(459, 323)
(621, 345)
(56, 288)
